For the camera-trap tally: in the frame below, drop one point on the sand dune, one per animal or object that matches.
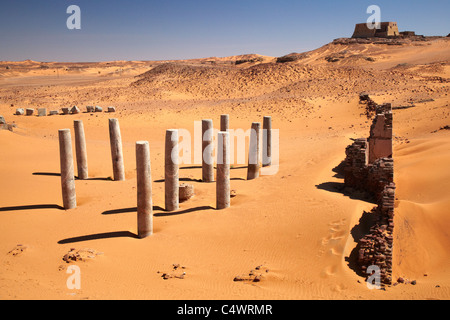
(293, 229)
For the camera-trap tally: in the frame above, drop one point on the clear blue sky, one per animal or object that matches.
(175, 29)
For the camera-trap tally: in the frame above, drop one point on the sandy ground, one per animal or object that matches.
(292, 228)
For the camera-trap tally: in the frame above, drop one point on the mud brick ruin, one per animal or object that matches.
(387, 29)
(369, 167)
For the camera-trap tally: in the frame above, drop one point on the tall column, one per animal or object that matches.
(67, 175)
(80, 148)
(116, 150)
(253, 152)
(144, 190)
(224, 122)
(223, 171)
(207, 148)
(171, 171)
(267, 142)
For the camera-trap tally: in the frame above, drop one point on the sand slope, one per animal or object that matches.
(292, 228)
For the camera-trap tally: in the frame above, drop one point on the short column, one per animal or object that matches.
(253, 152)
(171, 179)
(116, 150)
(267, 142)
(207, 149)
(67, 175)
(80, 150)
(144, 190)
(224, 122)
(223, 171)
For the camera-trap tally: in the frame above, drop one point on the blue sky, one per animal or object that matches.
(175, 29)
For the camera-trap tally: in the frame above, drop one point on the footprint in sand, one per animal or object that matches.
(333, 246)
(337, 232)
(329, 271)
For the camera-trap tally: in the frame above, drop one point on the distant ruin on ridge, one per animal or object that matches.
(387, 29)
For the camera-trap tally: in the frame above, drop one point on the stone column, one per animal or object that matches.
(224, 122)
(223, 171)
(67, 175)
(171, 171)
(80, 149)
(267, 142)
(116, 150)
(144, 190)
(207, 148)
(253, 152)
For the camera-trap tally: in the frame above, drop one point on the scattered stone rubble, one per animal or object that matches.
(75, 255)
(369, 167)
(17, 250)
(41, 112)
(177, 272)
(6, 126)
(255, 275)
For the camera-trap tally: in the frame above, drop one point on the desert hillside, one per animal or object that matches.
(293, 228)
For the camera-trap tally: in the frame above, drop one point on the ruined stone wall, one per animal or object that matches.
(369, 167)
(380, 140)
(355, 170)
(379, 175)
(375, 248)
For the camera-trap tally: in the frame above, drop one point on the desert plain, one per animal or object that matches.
(292, 229)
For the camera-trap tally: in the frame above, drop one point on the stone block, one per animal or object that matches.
(75, 110)
(186, 191)
(42, 112)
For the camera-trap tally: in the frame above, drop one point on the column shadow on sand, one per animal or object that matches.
(164, 213)
(199, 167)
(97, 236)
(55, 174)
(175, 213)
(180, 179)
(32, 207)
(126, 210)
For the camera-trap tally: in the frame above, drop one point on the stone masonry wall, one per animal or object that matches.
(376, 247)
(380, 140)
(355, 170)
(369, 167)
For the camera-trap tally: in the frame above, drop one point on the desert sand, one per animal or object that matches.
(292, 229)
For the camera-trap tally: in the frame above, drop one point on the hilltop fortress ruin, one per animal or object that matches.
(386, 30)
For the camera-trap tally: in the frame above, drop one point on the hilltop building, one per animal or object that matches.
(387, 29)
